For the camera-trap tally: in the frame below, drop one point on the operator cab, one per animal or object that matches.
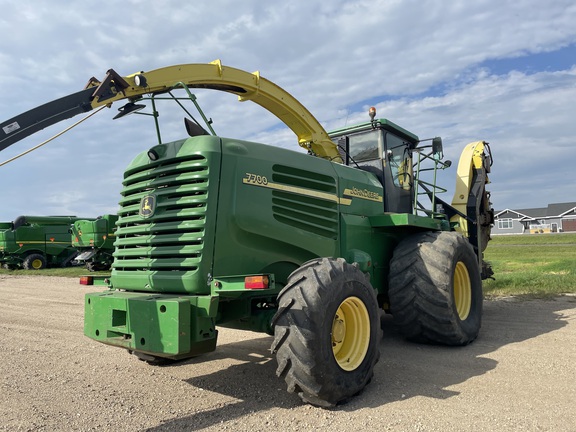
(384, 149)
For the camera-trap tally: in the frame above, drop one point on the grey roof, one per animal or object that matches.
(535, 212)
(560, 208)
(506, 213)
(553, 210)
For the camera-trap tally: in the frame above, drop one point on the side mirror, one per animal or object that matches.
(437, 147)
(129, 108)
(193, 129)
(343, 145)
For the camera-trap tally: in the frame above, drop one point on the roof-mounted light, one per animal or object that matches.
(372, 113)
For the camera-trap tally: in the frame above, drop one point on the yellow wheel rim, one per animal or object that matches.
(462, 290)
(350, 333)
(37, 264)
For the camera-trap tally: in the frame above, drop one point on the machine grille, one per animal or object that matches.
(169, 239)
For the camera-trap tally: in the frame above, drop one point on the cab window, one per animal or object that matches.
(365, 146)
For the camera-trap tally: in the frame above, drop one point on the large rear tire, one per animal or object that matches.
(326, 332)
(435, 289)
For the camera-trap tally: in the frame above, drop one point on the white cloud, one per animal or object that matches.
(420, 62)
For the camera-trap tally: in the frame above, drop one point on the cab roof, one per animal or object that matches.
(379, 124)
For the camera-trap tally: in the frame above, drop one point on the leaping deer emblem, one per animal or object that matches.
(147, 205)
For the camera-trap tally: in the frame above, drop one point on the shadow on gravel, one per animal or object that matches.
(252, 382)
(405, 370)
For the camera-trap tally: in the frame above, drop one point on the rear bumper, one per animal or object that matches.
(167, 326)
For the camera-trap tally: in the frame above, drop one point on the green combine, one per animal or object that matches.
(94, 241)
(310, 248)
(37, 242)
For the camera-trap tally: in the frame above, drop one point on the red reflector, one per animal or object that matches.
(86, 280)
(256, 282)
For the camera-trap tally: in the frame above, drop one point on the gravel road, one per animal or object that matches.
(520, 375)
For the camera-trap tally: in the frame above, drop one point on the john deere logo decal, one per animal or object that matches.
(147, 206)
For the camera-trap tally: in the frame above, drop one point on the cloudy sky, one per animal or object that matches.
(503, 72)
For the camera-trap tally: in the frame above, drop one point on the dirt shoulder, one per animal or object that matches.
(519, 375)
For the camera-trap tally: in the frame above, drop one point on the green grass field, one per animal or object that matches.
(533, 266)
(72, 272)
(536, 265)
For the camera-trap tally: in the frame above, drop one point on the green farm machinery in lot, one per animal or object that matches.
(308, 247)
(94, 241)
(37, 242)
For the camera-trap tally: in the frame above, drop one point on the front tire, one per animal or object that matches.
(326, 331)
(435, 289)
(34, 262)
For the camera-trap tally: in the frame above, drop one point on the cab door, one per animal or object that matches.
(397, 175)
(389, 158)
